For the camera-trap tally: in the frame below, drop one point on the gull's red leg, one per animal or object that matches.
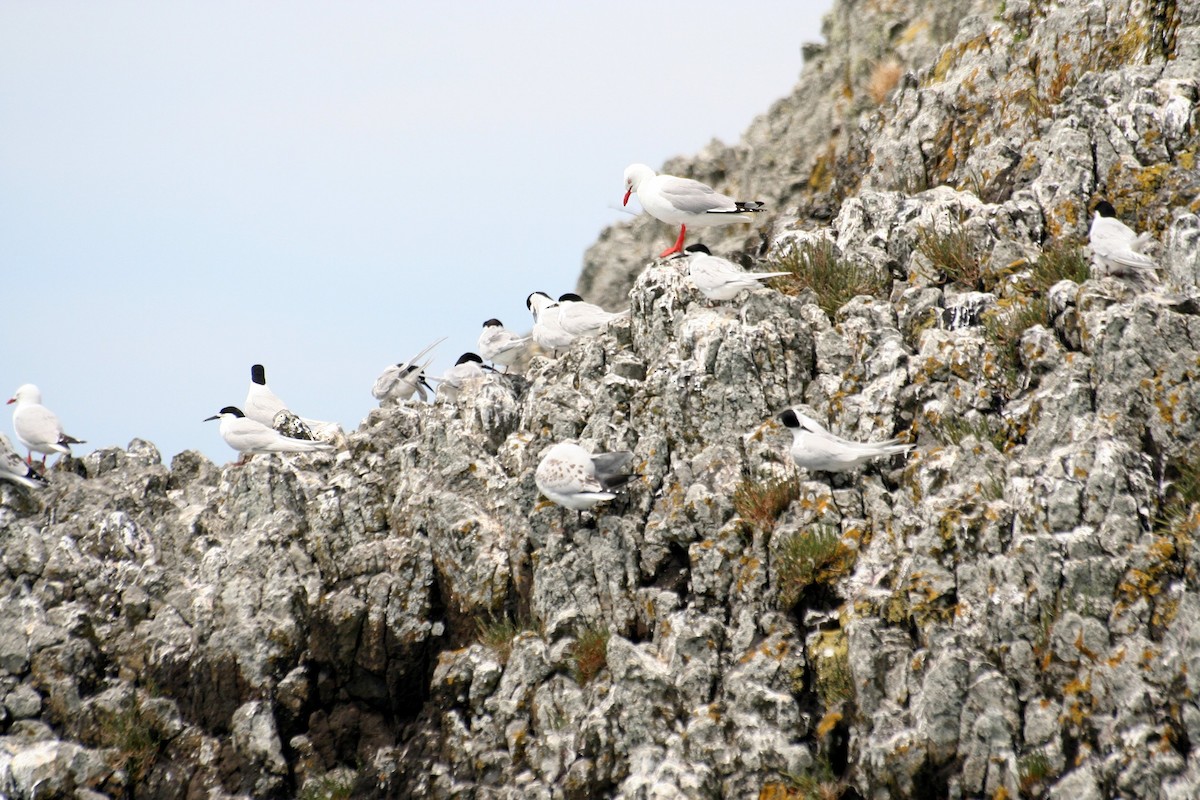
(678, 246)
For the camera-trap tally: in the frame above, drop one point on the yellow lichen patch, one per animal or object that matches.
(828, 723)
(912, 31)
(1083, 648)
(952, 54)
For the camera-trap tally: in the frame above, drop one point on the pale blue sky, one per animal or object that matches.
(188, 188)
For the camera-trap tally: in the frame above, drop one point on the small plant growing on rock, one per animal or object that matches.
(760, 503)
(498, 634)
(816, 265)
(818, 783)
(953, 253)
(1003, 328)
(884, 78)
(808, 557)
(330, 786)
(1060, 261)
(950, 429)
(591, 653)
(1035, 768)
(135, 738)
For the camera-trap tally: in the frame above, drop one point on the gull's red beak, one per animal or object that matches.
(624, 202)
(10, 401)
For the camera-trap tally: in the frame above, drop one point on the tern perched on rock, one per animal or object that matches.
(547, 332)
(468, 368)
(400, 382)
(37, 427)
(13, 467)
(719, 279)
(817, 450)
(500, 345)
(265, 407)
(684, 202)
(250, 437)
(573, 478)
(580, 318)
(1118, 250)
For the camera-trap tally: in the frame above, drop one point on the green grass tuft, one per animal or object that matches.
(808, 557)
(816, 265)
(759, 503)
(954, 254)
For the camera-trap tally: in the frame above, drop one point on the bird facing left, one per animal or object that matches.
(250, 437)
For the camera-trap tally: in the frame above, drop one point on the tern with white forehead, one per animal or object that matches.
(468, 369)
(250, 437)
(719, 279)
(500, 345)
(1119, 250)
(266, 407)
(400, 382)
(547, 332)
(580, 318)
(817, 450)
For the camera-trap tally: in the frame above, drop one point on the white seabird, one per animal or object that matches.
(573, 478)
(817, 450)
(37, 427)
(684, 202)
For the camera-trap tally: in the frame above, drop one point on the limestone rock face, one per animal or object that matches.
(1009, 611)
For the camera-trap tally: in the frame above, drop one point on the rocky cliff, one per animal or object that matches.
(1007, 612)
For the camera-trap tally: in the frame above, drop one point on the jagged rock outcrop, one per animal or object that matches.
(1008, 612)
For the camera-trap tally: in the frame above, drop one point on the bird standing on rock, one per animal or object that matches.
(1118, 250)
(817, 450)
(37, 427)
(500, 345)
(580, 318)
(399, 382)
(719, 279)
(573, 478)
(13, 467)
(683, 202)
(250, 437)
(547, 332)
(468, 368)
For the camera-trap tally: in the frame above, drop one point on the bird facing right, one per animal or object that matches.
(573, 478)
(13, 467)
(399, 382)
(817, 450)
